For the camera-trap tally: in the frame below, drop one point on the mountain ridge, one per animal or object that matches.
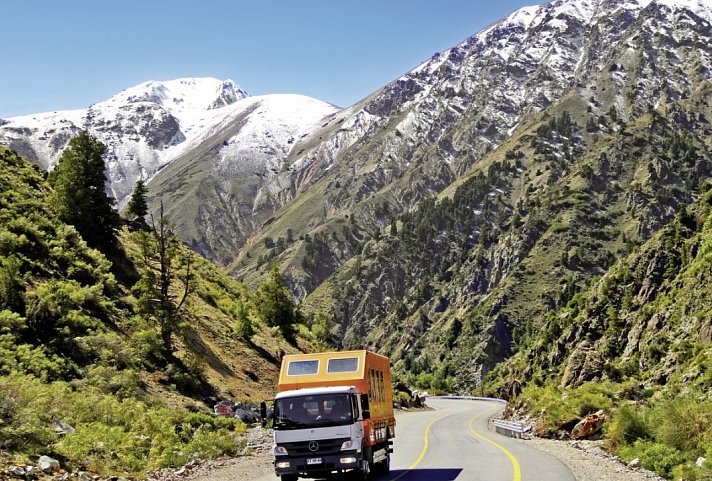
(145, 127)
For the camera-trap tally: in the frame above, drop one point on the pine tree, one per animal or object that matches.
(138, 208)
(275, 304)
(160, 254)
(79, 191)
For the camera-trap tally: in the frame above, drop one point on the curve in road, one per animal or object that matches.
(453, 447)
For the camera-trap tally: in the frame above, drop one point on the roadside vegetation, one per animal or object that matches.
(656, 391)
(668, 432)
(113, 351)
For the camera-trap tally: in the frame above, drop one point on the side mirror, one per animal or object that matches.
(365, 410)
(263, 413)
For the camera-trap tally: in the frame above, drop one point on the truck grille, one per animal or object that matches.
(326, 446)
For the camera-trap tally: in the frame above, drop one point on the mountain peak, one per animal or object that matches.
(190, 93)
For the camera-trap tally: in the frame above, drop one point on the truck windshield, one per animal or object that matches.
(313, 411)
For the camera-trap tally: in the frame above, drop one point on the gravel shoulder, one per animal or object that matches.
(588, 462)
(254, 463)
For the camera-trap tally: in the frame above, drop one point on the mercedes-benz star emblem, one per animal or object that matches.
(313, 446)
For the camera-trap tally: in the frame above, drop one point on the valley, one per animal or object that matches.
(524, 215)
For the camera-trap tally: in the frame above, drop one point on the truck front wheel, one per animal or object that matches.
(364, 472)
(289, 477)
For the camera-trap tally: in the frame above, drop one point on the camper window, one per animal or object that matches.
(302, 368)
(344, 364)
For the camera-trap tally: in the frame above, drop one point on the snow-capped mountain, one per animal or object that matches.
(519, 66)
(423, 131)
(544, 144)
(404, 143)
(210, 192)
(145, 127)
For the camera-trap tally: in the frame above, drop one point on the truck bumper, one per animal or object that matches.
(317, 464)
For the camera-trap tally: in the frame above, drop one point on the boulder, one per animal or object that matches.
(224, 408)
(635, 463)
(16, 471)
(589, 425)
(246, 416)
(584, 364)
(62, 428)
(83, 476)
(47, 464)
(700, 462)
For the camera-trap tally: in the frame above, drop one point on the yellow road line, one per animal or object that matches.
(423, 451)
(515, 464)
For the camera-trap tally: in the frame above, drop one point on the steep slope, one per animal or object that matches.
(647, 319)
(213, 192)
(68, 310)
(144, 127)
(85, 375)
(453, 286)
(380, 158)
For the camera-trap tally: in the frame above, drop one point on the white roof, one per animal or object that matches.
(316, 390)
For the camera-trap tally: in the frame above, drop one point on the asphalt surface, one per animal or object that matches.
(452, 442)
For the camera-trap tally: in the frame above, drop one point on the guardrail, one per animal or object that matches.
(512, 429)
(472, 398)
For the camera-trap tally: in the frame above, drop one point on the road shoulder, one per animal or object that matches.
(588, 462)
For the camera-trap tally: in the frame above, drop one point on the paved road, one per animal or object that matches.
(452, 442)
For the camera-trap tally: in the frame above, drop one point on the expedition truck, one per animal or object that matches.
(333, 413)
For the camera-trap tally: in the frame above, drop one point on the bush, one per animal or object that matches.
(560, 409)
(684, 422)
(657, 457)
(627, 426)
(402, 398)
(209, 444)
(110, 435)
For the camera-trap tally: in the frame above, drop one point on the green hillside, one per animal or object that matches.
(81, 345)
(638, 344)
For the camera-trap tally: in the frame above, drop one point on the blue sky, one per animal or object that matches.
(68, 54)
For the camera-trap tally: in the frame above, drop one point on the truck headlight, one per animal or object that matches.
(282, 464)
(347, 460)
(280, 451)
(347, 445)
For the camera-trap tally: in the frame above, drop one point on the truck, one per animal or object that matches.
(333, 413)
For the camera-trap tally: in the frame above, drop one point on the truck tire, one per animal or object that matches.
(364, 472)
(289, 477)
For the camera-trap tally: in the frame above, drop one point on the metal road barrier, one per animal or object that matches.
(511, 429)
(471, 398)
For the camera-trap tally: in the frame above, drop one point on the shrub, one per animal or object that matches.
(208, 444)
(110, 435)
(402, 398)
(148, 344)
(627, 426)
(561, 409)
(110, 380)
(657, 457)
(684, 422)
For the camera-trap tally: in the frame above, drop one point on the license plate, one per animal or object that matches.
(313, 460)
